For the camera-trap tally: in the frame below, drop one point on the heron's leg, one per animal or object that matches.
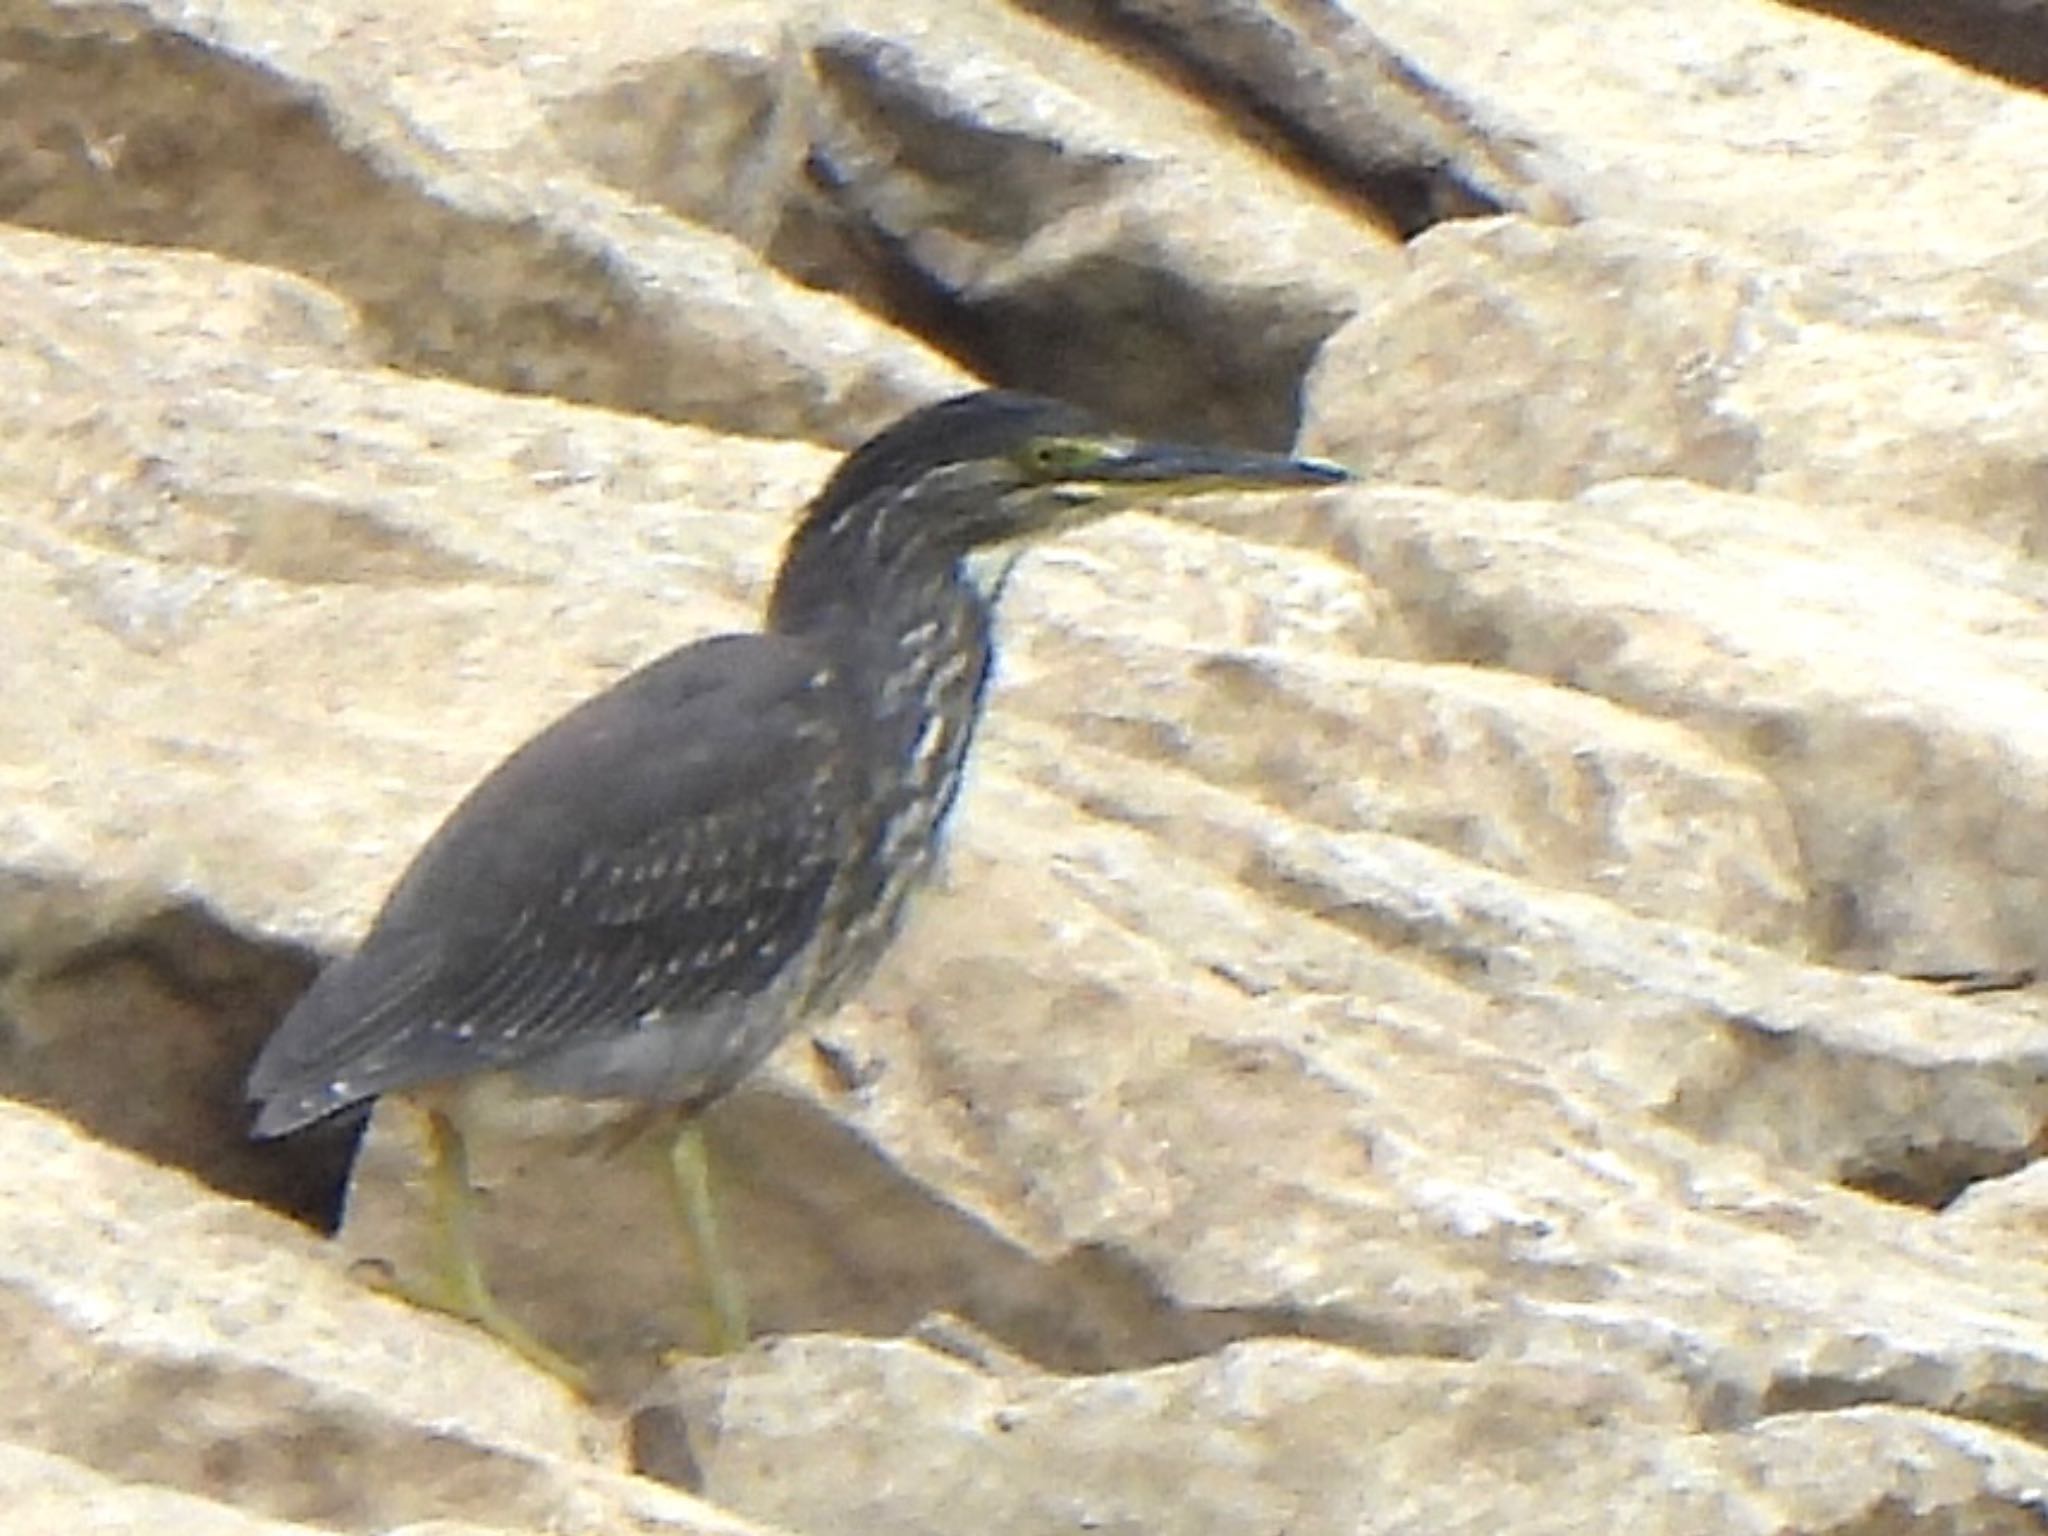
(721, 1300)
(458, 1286)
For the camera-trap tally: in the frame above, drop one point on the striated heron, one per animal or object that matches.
(645, 898)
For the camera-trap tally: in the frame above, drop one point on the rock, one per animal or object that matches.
(160, 1335)
(1100, 218)
(1778, 133)
(1578, 794)
(406, 165)
(243, 523)
(1617, 351)
(1880, 672)
(1416, 1031)
(1049, 214)
(1359, 111)
(1168, 1110)
(1251, 1436)
(51, 1493)
(1999, 37)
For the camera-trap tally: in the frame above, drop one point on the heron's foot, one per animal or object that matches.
(470, 1300)
(718, 1314)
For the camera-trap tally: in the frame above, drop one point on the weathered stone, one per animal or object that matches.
(2008, 38)
(1883, 674)
(1615, 350)
(1206, 1077)
(1359, 111)
(1395, 1046)
(159, 1334)
(1254, 1439)
(1533, 781)
(40, 1493)
(1793, 137)
(1054, 216)
(398, 155)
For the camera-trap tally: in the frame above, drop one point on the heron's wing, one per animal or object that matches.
(666, 844)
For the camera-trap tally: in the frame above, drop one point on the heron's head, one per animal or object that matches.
(982, 473)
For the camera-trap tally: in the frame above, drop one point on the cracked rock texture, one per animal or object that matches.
(1419, 1030)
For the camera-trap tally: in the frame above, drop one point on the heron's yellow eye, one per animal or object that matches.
(1056, 458)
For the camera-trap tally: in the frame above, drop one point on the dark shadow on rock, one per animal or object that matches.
(144, 1036)
(835, 1238)
(1996, 37)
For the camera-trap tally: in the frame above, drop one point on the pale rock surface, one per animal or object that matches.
(1059, 219)
(1333, 91)
(161, 1335)
(1255, 1436)
(1412, 1035)
(45, 1494)
(1794, 136)
(399, 156)
(1700, 363)
(1883, 673)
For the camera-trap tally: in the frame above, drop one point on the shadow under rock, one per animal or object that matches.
(144, 1038)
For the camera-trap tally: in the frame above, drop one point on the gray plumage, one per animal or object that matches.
(642, 900)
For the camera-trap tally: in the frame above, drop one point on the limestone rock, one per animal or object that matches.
(243, 533)
(1251, 1437)
(1880, 672)
(47, 1493)
(1415, 1032)
(1614, 350)
(1797, 137)
(1056, 217)
(160, 1335)
(399, 157)
(1357, 109)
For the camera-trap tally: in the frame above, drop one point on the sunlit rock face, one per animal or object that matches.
(1418, 1028)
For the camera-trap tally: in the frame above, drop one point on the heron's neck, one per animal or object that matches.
(837, 574)
(911, 654)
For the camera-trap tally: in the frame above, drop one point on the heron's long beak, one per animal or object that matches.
(1181, 469)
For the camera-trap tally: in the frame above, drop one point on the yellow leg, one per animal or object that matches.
(721, 1300)
(458, 1287)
